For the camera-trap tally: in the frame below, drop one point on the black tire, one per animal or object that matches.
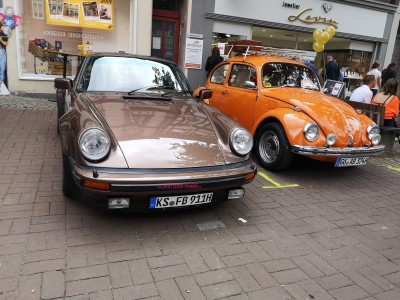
(60, 108)
(67, 180)
(272, 147)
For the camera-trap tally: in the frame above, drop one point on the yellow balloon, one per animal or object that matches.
(318, 47)
(330, 30)
(324, 38)
(317, 34)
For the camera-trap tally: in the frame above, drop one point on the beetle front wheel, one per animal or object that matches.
(272, 147)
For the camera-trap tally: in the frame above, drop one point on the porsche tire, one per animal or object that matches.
(68, 183)
(272, 147)
(60, 108)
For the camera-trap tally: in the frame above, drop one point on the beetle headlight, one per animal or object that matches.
(241, 141)
(311, 132)
(94, 143)
(376, 139)
(331, 139)
(372, 130)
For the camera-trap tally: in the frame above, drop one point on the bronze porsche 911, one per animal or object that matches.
(134, 137)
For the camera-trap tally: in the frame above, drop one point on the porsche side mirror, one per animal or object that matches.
(205, 94)
(63, 83)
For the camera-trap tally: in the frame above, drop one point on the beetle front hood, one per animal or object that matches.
(331, 114)
(163, 133)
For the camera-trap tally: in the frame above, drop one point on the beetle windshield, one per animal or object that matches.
(289, 75)
(131, 74)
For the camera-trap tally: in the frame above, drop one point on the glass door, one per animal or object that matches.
(165, 35)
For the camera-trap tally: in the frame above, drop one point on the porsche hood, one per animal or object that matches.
(160, 133)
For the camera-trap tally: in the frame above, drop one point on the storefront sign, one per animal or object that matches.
(291, 5)
(87, 14)
(194, 53)
(72, 35)
(312, 20)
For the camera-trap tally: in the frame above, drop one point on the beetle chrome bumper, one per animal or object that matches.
(338, 152)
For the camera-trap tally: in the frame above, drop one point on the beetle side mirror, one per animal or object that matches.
(63, 83)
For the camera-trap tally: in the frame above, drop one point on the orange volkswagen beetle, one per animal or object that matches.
(280, 101)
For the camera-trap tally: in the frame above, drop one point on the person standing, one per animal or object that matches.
(3, 55)
(389, 72)
(332, 69)
(387, 97)
(313, 67)
(363, 93)
(213, 60)
(375, 70)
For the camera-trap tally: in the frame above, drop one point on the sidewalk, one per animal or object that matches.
(311, 232)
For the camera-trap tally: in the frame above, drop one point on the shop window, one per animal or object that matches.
(41, 45)
(37, 9)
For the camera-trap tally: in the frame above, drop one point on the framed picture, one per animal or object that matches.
(335, 88)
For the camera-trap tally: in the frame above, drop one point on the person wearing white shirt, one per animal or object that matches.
(375, 70)
(363, 93)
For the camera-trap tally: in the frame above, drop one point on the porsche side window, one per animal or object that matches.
(243, 76)
(219, 75)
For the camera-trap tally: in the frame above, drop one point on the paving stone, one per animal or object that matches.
(189, 288)
(87, 286)
(350, 292)
(53, 285)
(213, 277)
(221, 290)
(168, 289)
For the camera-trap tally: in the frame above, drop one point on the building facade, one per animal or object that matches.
(365, 30)
(185, 31)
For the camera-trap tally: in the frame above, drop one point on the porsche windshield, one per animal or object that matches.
(131, 75)
(289, 75)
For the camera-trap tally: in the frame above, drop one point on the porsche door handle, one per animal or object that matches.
(225, 92)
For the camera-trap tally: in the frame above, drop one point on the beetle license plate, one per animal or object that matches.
(348, 162)
(183, 200)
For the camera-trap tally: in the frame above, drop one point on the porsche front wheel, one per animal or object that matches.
(68, 183)
(272, 147)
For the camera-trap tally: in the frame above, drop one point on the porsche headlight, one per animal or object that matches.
(94, 143)
(311, 132)
(372, 130)
(241, 141)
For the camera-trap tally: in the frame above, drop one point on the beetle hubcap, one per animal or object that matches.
(269, 146)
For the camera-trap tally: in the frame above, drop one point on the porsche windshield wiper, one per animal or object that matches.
(152, 87)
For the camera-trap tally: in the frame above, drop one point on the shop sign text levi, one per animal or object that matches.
(312, 20)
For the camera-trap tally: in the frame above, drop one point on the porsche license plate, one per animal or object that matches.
(348, 162)
(183, 200)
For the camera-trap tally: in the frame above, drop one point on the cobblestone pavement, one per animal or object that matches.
(312, 232)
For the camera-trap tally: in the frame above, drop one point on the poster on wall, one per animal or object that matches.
(77, 13)
(194, 53)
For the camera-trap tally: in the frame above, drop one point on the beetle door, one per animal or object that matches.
(237, 96)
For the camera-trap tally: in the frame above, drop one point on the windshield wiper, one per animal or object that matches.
(152, 87)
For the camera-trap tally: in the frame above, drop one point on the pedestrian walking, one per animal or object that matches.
(213, 60)
(375, 70)
(332, 69)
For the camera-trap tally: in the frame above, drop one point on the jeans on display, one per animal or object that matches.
(3, 63)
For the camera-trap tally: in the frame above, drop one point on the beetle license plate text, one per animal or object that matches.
(348, 162)
(183, 200)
